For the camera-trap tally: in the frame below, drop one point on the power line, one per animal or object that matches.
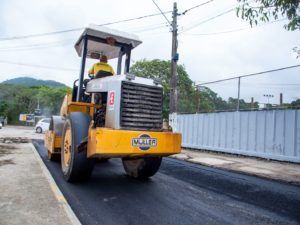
(184, 12)
(40, 35)
(38, 66)
(136, 18)
(162, 13)
(56, 44)
(78, 28)
(236, 30)
(207, 20)
(104, 24)
(251, 74)
(157, 33)
(63, 42)
(35, 48)
(164, 25)
(149, 26)
(194, 7)
(221, 32)
(37, 45)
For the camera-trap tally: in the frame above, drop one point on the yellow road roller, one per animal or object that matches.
(106, 117)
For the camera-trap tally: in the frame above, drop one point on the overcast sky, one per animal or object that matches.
(220, 48)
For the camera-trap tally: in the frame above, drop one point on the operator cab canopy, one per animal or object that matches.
(103, 40)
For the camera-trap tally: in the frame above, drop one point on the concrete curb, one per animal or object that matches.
(58, 194)
(259, 175)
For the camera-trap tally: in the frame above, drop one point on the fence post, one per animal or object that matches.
(238, 100)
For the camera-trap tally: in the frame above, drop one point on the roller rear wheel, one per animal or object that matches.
(141, 167)
(75, 165)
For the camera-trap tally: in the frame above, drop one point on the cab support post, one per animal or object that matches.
(127, 61)
(121, 53)
(81, 74)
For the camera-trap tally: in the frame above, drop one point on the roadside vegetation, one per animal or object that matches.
(18, 99)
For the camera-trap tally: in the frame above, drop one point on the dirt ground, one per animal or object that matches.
(19, 132)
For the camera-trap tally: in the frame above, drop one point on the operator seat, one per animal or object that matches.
(101, 74)
(85, 97)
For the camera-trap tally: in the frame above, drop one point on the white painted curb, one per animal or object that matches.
(58, 194)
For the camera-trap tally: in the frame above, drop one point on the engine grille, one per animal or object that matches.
(141, 107)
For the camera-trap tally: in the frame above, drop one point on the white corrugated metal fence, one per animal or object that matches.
(268, 134)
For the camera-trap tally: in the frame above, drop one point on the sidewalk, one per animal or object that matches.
(275, 170)
(27, 196)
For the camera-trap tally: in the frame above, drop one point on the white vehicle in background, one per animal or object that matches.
(3, 121)
(42, 125)
(0, 125)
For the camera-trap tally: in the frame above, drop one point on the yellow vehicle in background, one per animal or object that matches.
(110, 117)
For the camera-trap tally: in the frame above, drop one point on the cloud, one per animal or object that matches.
(206, 57)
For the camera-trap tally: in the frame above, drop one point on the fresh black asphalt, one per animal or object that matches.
(180, 193)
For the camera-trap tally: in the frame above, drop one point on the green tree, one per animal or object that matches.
(295, 103)
(17, 99)
(215, 102)
(262, 10)
(190, 99)
(3, 108)
(50, 99)
(232, 104)
(187, 94)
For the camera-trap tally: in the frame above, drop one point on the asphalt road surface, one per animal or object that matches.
(180, 193)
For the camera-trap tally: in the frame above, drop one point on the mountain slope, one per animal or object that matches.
(28, 81)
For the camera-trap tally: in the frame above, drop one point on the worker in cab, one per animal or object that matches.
(102, 68)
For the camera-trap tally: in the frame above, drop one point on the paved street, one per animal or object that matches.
(180, 193)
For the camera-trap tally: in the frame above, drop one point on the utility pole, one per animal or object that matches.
(174, 59)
